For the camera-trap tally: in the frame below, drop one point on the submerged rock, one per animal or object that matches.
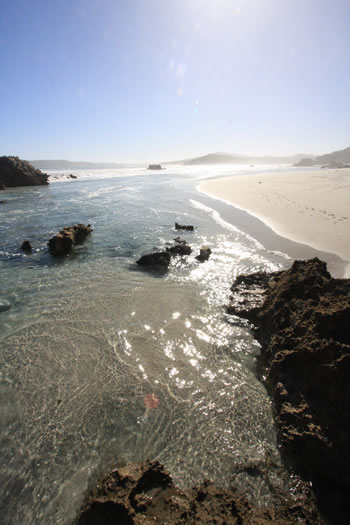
(17, 172)
(204, 254)
(184, 227)
(4, 305)
(63, 242)
(156, 259)
(145, 493)
(303, 327)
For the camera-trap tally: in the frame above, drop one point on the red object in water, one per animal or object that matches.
(151, 401)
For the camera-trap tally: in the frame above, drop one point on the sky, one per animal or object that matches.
(158, 80)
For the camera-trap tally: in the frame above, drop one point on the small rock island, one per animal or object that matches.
(155, 167)
(17, 172)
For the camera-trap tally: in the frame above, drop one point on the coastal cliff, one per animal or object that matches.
(17, 172)
(301, 318)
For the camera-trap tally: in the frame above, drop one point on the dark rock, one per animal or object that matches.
(249, 293)
(16, 172)
(71, 176)
(3, 201)
(303, 327)
(181, 248)
(145, 493)
(2, 187)
(4, 305)
(204, 254)
(154, 167)
(26, 247)
(63, 242)
(183, 227)
(157, 259)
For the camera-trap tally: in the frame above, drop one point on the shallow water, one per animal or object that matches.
(86, 337)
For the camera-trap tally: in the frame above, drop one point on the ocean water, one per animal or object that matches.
(84, 338)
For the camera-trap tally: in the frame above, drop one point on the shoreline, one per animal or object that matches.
(307, 207)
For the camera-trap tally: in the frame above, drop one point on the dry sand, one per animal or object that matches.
(311, 207)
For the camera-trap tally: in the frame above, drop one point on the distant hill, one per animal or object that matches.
(337, 157)
(228, 158)
(77, 165)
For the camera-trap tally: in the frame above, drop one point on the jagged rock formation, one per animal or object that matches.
(145, 493)
(63, 242)
(17, 172)
(303, 327)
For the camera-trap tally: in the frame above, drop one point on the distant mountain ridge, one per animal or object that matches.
(342, 157)
(58, 164)
(228, 158)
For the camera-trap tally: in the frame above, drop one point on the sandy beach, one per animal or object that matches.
(311, 207)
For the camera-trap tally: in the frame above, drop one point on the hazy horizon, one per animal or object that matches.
(141, 82)
(164, 161)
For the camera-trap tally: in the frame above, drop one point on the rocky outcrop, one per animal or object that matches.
(63, 242)
(204, 254)
(303, 327)
(184, 227)
(154, 167)
(154, 260)
(16, 172)
(145, 493)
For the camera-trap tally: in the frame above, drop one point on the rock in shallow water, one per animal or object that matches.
(184, 227)
(63, 242)
(145, 493)
(302, 321)
(204, 254)
(157, 259)
(4, 305)
(180, 248)
(26, 247)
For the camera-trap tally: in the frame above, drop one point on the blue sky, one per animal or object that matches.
(154, 80)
